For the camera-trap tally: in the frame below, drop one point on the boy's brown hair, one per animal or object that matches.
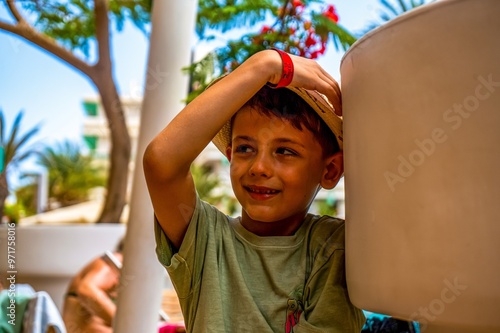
(321, 117)
(285, 104)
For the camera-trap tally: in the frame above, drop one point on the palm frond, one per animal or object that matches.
(226, 16)
(25, 138)
(391, 10)
(71, 173)
(15, 142)
(390, 7)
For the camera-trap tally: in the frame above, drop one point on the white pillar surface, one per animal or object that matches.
(142, 276)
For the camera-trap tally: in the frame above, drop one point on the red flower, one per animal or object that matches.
(323, 48)
(310, 41)
(297, 3)
(330, 9)
(331, 14)
(265, 29)
(314, 55)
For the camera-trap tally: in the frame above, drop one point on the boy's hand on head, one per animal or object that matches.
(310, 75)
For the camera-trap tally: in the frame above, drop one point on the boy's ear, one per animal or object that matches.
(334, 168)
(228, 152)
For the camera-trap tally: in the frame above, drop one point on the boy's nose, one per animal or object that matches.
(261, 166)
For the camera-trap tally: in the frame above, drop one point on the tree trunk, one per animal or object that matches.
(119, 156)
(4, 191)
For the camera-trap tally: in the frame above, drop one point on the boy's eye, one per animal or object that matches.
(285, 151)
(243, 149)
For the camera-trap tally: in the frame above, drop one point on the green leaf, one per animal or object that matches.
(72, 22)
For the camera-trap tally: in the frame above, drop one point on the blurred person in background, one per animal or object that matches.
(89, 304)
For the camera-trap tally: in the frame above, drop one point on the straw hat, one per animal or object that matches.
(318, 103)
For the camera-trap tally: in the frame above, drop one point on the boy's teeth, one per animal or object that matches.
(264, 192)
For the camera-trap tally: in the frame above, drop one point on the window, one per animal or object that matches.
(91, 141)
(90, 108)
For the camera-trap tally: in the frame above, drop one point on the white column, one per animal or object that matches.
(42, 197)
(139, 298)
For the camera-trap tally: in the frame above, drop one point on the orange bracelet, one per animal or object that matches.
(287, 72)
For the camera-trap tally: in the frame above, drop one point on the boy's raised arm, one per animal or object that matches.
(168, 157)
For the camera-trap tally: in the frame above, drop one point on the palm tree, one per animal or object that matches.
(71, 174)
(13, 151)
(26, 201)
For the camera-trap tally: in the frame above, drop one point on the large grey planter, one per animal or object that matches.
(422, 167)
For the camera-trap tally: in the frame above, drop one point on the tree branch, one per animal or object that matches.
(7, 27)
(24, 30)
(102, 34)
(13, 10)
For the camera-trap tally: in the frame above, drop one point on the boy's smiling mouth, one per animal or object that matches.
(260, 192)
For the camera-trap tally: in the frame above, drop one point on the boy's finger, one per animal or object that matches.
(333, 92)
(335, 97)
(337, 105)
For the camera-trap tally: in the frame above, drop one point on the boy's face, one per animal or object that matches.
(276, 171)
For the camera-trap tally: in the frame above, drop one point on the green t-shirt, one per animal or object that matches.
(231, 280)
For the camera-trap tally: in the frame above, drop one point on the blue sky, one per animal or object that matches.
(51, 93)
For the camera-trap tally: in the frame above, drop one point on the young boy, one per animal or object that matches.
(276, 268)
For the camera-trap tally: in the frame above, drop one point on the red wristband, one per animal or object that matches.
(287, 72)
